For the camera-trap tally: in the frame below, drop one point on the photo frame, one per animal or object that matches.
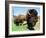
(16, 8)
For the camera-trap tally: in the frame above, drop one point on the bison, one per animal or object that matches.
(32, 18)
(20, 19)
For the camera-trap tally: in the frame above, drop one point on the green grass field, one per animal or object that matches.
(19, 27)
(24, 27)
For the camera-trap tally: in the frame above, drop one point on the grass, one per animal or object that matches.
(19, 27)
(23, 27)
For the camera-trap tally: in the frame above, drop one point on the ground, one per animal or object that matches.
(24, 27)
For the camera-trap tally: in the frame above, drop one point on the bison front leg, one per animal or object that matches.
(16, 22)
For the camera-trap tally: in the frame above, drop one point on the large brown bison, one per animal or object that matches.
(19, 19)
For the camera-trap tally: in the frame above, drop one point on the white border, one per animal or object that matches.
(25, 32)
